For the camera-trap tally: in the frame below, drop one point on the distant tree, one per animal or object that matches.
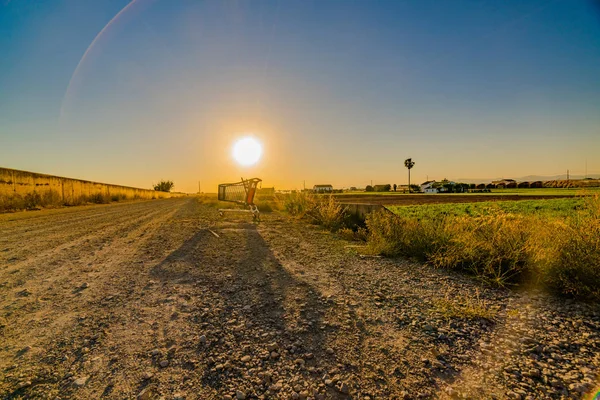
(369, 188)
(382, 188)
(472, 186)
(409, 163)
(415, 188)
(395, 187)
(164, 186)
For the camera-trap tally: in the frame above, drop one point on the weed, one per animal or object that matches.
(32, 200)
(468, 307)
(502, 248)
(99, 198)
(574, 268)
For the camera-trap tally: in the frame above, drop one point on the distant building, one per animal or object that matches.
(431, 190)
(505, 183)
(266, 191)
(323, 188)
(427, 185)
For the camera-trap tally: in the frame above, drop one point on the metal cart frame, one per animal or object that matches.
(241, 193)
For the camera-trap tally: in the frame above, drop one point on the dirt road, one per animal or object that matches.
(143, 300)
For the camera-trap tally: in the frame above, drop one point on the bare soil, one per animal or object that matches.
(165, 299)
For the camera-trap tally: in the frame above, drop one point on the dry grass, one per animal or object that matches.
(322, 210)
(502, 248)
(468, 307)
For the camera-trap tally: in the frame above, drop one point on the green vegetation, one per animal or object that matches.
(322, 210)
(409, 164)
(464, 307)
(496, 192)
(51, 198)
(549, 207)
(164, 186)
(555, 244)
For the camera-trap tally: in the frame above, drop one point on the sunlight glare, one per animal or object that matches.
(247, 151)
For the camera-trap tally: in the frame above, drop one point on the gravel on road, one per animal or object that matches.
(141, 300)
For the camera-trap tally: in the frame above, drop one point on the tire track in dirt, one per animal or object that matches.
(39, 239)
(276, 310)
(34, 222)
(121, 250)
(58, 316)
(79, 239)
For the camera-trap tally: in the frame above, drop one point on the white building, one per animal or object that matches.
(425, 186)
(323, 188)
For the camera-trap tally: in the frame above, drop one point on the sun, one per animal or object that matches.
(247, 151)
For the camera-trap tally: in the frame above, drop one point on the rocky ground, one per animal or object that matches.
(164, 299)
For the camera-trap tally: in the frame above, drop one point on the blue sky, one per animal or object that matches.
(338, 91)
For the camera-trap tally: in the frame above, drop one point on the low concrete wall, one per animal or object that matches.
(22, 189)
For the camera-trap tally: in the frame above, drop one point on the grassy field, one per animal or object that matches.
(548, 207)
(495, 192)
(553, 242)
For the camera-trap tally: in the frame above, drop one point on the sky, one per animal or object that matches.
(338, 92)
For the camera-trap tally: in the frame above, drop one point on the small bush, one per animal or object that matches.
(493, 247)
(99, 198)
(392, 236)
(322, 210)
(164, 186)
(119, 197)
(359, 235)
(574, 268)
(11, 203)
(467, 307)
(330, 214)
(51, 198)
(32, 200)
(502, 248)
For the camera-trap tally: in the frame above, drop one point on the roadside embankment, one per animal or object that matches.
(27, 190)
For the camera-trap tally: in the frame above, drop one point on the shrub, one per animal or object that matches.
(464, 307)
(32, 200)
(99, 198)
(299, 204)
(502, 248)
(51, 198)
(322, 210)
(265, 206)
(330, 213)
(164, 186)
(119, 197)
(392, 236)
(11, 203)
(574, 267)
(493, 247)
(382, 188)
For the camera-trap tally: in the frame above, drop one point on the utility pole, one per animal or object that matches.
(304, 184)
(586, 168)
(567, 175)
(199, 188)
